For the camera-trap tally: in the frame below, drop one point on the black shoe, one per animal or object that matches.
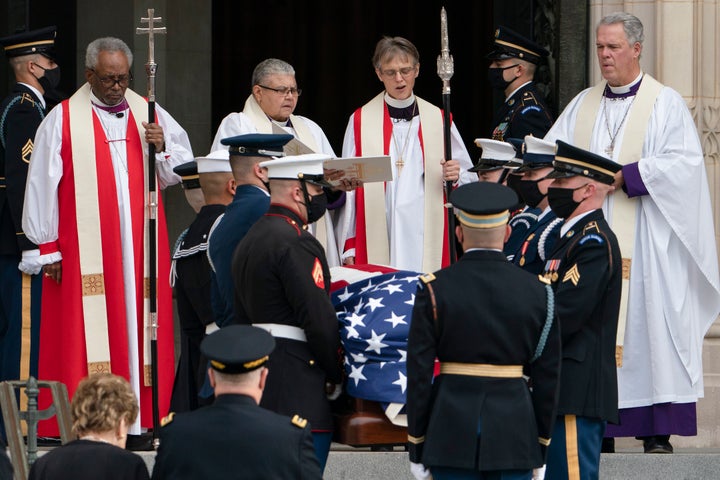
(139, 443)
(608, 445)
(657, 444)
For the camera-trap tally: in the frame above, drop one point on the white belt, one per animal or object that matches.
(283, 331)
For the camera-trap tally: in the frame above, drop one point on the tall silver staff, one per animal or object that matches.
(446, 69)
(150, 68)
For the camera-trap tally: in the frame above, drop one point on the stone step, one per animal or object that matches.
(346, 463)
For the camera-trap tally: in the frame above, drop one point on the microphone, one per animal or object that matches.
(120, 114)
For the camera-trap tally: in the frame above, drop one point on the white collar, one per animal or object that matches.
(394, 102)
(625, 88)
(571, 223)
(515, 91)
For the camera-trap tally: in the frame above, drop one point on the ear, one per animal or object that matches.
(379, 75)
(508, 231)
(417, 70)
(231, 186)
(459, 233)
(211, 377)
(260, 172)
(256, 91)
(637, 48)
(263, 378)
(88, 74)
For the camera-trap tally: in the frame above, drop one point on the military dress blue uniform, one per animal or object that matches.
(539, 241)
(479, 415)
(524, 112)
(20, 115)
(585, 270)
(192, 294)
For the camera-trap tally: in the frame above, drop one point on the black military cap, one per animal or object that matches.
(483, 204)
(40, 41)
(571, 161)
(509, 44)
(188, 172)
(257, 144)
(519, 146)
(238, 348)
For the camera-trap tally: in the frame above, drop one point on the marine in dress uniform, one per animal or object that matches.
(234, 437)
(31, 58)
(523, 217)
(479, 418)
(191, 273)
(538, 241)
(251, 201)
(585, 270)
(513, 63)
(282, 284)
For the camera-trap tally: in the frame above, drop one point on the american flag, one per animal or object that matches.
(374, 305)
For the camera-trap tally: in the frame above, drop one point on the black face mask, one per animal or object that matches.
(529, 192)
(561, 200)
(495, 77)
(513, 182)
(316, 205)
(51, 79)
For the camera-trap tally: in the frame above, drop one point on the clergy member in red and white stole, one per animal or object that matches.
(86, 208)
(402, 223)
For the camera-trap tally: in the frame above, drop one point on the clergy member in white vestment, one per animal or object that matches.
(412, 233)
(85, 207)
(270, 107)
(661, 213)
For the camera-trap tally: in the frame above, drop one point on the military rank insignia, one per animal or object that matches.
(27, 150)
(551, 269)
(572, 275)
(317, 274)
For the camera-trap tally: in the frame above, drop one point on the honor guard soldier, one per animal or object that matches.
(496, 160)
(211, 177)
(31, 58)
(234, 437)
(479, 418)
(539, 240)
(282, 284)
(585, 270)
(251, 201)
(512, 68)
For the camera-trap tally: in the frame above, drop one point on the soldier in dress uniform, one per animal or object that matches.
(496, 160)
(538, 241)
(31, 57)
(212, 177)
(251, 201)
(586, 272)
(512, 68)
(479, 418)
(234, 437)
(282, 284)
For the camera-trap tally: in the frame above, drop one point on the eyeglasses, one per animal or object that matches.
(109, 82)
(405, 72)
(295, 92)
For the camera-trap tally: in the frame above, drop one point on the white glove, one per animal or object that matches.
(30, 263)
(539, 473)
(420, 472)
(211, 327)
(335, 393)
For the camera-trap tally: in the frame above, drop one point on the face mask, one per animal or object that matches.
(529, 192)
(495, 77)
(51, 79)
(513, 181)
(316, 205)
(561, 200)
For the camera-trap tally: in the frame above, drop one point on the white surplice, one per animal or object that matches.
(674, 293)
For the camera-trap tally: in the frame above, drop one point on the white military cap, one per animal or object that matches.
(308, 167)
(217, 161)
(495, 155)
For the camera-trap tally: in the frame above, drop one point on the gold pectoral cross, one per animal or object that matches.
(399, 164)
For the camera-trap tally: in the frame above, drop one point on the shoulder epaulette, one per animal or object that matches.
(168, 419)
(298, 421)
(427, 278)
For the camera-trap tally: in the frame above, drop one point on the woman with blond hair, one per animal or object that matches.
(103, 407)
